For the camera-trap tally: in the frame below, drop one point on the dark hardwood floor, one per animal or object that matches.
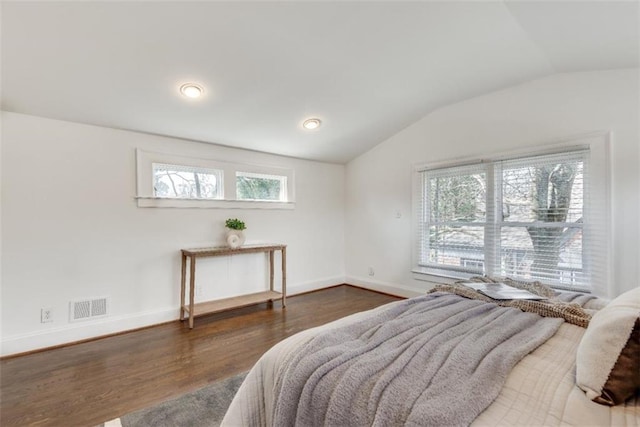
(89, 383)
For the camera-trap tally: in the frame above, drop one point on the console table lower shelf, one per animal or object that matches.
(215, 306)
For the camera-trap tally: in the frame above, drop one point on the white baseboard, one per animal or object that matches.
(387, 288)
(82, 331)
(315, 285)
(71, 333)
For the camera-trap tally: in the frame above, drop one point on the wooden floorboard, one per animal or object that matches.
(92, 382)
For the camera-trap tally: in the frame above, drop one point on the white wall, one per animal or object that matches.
(378, 183)
(71, 230)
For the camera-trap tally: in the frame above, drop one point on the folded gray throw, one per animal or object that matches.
(438, 359)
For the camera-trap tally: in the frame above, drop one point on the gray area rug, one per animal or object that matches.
(204, 407)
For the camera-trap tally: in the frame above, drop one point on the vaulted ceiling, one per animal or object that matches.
(366, 69)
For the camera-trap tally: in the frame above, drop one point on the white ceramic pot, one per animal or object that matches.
(235, 238)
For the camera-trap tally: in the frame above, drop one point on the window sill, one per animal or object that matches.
(440, 276)
(160, 202)
(431, 275)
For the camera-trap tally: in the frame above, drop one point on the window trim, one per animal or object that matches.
(599, 182)
(145, 197)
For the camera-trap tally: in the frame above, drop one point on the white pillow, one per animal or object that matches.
(608, 357)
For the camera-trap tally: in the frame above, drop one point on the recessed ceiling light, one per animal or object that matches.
(191, 90)
(311, 124)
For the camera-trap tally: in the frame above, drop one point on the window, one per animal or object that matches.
(455, 222)
(541, 218)
(186, 182)
(531, 218)
(166, 180)
(255, 186)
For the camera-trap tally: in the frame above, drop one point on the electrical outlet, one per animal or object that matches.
(198, 291)
(46, 315)
(371, 271)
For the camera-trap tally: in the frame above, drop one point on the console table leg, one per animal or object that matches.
(183, 285)
(192, 288)
(271, 270)
(284, 277)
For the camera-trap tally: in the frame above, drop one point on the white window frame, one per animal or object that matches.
(146, 198)
(596, 234)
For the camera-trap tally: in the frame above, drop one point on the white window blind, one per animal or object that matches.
(529, 218)
(541, 218)
(454, 218)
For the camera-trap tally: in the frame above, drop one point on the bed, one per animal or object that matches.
(454, 358)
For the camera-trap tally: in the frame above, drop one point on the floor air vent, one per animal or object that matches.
(87, 309)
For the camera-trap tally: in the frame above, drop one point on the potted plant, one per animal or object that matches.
(235, 232)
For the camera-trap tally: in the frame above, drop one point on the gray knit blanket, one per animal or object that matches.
(435, 360)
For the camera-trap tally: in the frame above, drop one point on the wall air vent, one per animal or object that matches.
(87, 309)
(99, 307)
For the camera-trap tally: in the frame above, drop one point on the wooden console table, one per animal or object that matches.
(234, 302)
